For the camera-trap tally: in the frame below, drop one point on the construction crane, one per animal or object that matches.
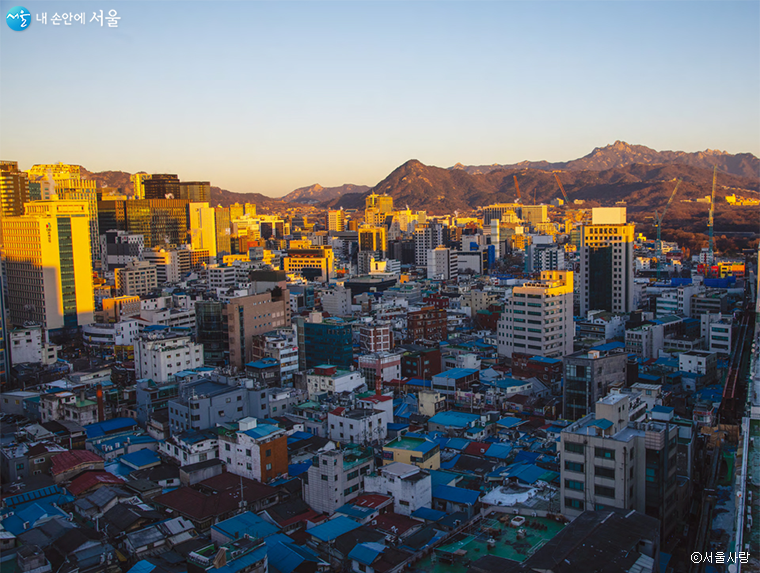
(658, 225)
(710, 221)
(517, 187)
(561, 188)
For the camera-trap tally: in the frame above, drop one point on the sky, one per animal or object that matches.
(270, 96)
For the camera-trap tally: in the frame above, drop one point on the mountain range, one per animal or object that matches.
(620, 154)
(316, 194)
(641, 177)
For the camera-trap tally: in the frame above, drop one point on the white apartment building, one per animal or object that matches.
(538, 317)
(337, 477)
(410, 486)
(168, 264)
(645, 341)
(160, 356)
(191, 447)
(122, 333)
(28, 345)
(427, 236)
(222, 276)
(606, 262)
(356, 426)
(698, 362)
(442, 264)
(245, 450)
(329, 379)
(337, 301)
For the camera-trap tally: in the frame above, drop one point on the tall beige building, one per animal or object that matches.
(538, 317)
(336, 220)
(48, 265)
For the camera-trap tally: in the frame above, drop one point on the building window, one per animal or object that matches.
(604, 491)
(324, 477)
(604, 453)
(574, 484)
(574, 448)
(269, 453)
(574, 467)
(227, 447)
(574, 503)
(604, 472)
(269, 467)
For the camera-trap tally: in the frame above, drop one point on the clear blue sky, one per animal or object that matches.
(270, 96)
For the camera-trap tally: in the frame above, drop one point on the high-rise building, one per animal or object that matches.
(538, 317)
(5, 358)
(249, 316)
(336, 220)
(161, 222)
(14, 191)
(544, 257)
(211, 332)
(117, 248)
(195, 191)
(606, 257)
(202, 227)
(161, 186)
(48, 265)
(500, 211)
(373, 239)
(427, 236)
(83, 190)
(442, 264)
(136, 278)
(535, 214)
(377, 207)
(328, 342)
(138, 184)
(223, 230)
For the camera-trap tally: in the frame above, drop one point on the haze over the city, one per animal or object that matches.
(267, 97)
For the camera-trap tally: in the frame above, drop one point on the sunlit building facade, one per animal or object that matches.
(48, 265)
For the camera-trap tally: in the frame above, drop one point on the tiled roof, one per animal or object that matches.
(68, 460)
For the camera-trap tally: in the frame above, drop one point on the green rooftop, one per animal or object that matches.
(456, 555)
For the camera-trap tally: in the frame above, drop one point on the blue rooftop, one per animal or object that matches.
(109, 427)
(366, 553)
(456, 494)
(545, 360)
(285, 556)
(355, 511)
(247, 522)
(455, 419)
(429, 514)
(140, 459)
(510, 422)
(334, 528)
(663, 409)
(262, 431)
(608, 346)
(457, 373)
(601, 423)
(263, 363)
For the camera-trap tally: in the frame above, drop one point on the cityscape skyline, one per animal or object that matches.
(275, 107)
